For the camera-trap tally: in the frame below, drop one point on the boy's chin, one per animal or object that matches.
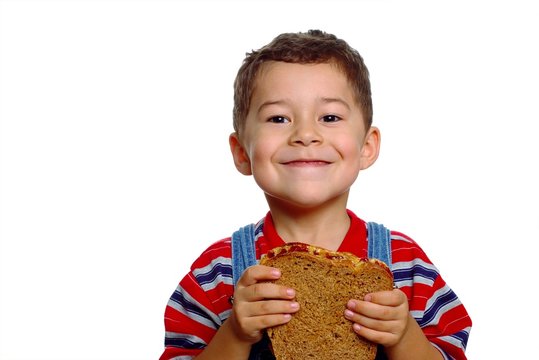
(307, 203)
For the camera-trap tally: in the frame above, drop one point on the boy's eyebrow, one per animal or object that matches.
(326, 100)
(338, 100)
(269, 103)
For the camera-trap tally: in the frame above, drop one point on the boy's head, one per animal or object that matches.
(312, 47)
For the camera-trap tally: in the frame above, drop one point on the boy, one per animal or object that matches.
(302, 121)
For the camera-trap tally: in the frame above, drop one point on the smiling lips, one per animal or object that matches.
(306, 163)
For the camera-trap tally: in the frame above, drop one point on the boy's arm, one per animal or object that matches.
(439, 331)
(384, 318)
(226, 345)
(437, 310)
(413, 345)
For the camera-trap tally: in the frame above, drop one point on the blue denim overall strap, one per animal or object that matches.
(243, 251)
(243, 256)
(379, 243)
(379, 247)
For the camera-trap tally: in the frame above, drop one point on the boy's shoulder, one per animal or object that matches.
(217, 252)
(404, 248)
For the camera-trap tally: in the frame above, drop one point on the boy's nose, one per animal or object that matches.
(305, 133)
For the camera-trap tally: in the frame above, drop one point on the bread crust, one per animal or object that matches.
(324, 281)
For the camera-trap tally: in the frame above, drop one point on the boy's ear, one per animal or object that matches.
(241, 159)
(371, 147)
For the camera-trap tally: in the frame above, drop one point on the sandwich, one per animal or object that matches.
(324, 281)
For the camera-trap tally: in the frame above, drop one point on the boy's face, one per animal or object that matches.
(304, 139)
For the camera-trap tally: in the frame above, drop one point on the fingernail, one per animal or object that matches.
(351, 304)
(294, 306)
(348, 314)
(290, 292)
(276, 273)
(356, 327)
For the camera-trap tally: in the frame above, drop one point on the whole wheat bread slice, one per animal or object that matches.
(324, 282)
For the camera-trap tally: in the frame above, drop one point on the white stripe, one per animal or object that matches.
(182, 357)
(403, 265)
(225, 315)
(219, 276)
(415, 280)
(417, 277)
(401, 238)
(416, 314)
(206, 269)
(218, 280)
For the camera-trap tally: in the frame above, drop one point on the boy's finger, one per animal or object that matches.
(370, 323)
(257, 273)
(393, 297)
(271, 307)
(263, 322)
(379, 337)
(261, 291)
(370, 310)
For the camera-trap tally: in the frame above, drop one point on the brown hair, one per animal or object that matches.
(312, 47)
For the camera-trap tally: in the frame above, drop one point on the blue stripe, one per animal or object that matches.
(180, 299)
(218, 270)
(258, 229)
(440, 302)
(462, 336)
(183, 343)
(415, 270)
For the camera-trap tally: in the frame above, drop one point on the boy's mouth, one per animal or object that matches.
(306, 163)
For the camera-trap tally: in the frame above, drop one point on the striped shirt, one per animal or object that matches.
(199, 305)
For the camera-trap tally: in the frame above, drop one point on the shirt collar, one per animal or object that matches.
(355, 240)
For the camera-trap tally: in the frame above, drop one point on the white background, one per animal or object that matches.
(116, 173)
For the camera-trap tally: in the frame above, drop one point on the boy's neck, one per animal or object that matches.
(324, 226)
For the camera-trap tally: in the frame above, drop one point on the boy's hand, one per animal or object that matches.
(259, 304)
(381, 317)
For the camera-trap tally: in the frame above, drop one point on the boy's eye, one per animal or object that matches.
(278, 119)
(330, 118)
